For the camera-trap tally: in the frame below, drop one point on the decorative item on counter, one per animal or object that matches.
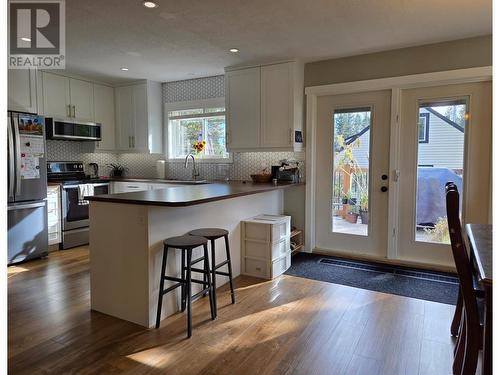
(116, 170)
(263, 176)
(160, 169)
(199, 146)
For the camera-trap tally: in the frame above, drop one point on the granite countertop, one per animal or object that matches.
(177, 196)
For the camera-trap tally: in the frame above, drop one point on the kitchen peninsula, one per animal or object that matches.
(127, 232)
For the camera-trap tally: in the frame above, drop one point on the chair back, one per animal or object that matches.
(460, 255)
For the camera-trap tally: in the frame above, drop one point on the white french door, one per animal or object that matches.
(446, 136)
(352, 155)
(443, 134)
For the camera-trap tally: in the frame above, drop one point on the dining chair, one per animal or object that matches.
(469, 331)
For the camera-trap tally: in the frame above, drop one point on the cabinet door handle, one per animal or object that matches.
(69, 110)
(290, 140)
(74, 111)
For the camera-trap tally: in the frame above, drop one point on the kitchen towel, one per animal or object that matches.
(85, 190)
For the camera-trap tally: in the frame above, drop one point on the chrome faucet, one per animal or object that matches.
(195, 172)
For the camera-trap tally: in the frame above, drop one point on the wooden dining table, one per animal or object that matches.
(481, 248)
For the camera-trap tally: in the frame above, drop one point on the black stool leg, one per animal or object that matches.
(162, 282)
(214, 282)
(229, 268)
(206, 278)
(183, 277)
(188, 293)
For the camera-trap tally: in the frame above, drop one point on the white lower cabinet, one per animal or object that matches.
(128, 187)
(265, 245)
(54, 214)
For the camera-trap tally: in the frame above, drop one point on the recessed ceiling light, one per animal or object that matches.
(234, 50)
(150, 4)
(26, 39)
(124, 69)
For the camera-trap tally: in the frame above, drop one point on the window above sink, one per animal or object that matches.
(193, 122)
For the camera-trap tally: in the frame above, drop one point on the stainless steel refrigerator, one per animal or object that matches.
(27, 187)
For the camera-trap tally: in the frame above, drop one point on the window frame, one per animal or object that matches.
(426, 116)
(192, 104)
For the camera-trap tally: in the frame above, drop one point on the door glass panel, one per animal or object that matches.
(440, 158)
(350, 203)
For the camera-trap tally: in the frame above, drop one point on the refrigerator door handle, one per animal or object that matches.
(12, 170)
(15, 120)
(25, 206)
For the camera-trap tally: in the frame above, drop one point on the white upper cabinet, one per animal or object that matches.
(243, 109)
(276, 105)
(124, 104)
(104, 114)
(67, 97)
(56, 99)
(22, 90)
(264, 107)
(139, 117)
(82, 99)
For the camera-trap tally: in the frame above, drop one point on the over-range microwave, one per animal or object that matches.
(70, 130)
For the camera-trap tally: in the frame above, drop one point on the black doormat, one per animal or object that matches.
(403, 281)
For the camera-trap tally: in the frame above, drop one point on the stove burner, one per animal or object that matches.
(69, 173)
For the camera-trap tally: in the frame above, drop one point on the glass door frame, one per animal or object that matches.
(396, 85)
(407, 248)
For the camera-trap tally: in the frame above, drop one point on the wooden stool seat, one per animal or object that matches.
(209, 233)
(185, 242)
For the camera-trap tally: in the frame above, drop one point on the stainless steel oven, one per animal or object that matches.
(75, 214)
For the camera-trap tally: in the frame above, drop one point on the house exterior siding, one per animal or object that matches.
(445, 148)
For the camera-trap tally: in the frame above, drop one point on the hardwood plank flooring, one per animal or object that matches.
(285, 326)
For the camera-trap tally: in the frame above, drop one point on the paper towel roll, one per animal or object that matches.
(160, 168)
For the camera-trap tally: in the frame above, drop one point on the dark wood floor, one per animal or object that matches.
(285, 326)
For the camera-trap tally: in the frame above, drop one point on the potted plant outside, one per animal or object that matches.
(363, 208)
(346, 202)
(352, 214)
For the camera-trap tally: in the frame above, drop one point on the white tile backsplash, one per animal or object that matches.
(138, 165)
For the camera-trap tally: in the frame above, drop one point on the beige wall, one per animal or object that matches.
(458, 54)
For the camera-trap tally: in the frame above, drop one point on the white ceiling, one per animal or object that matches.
(184, 39)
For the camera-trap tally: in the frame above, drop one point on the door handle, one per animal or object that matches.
(17, 146)
(25, 206)
(383, 189)
(74, 111)
(69, 110)
(12, 169)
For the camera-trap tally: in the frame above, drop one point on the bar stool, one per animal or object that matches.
(186, 244)
(213, 234)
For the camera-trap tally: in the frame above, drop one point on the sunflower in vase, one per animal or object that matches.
(199, 146)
